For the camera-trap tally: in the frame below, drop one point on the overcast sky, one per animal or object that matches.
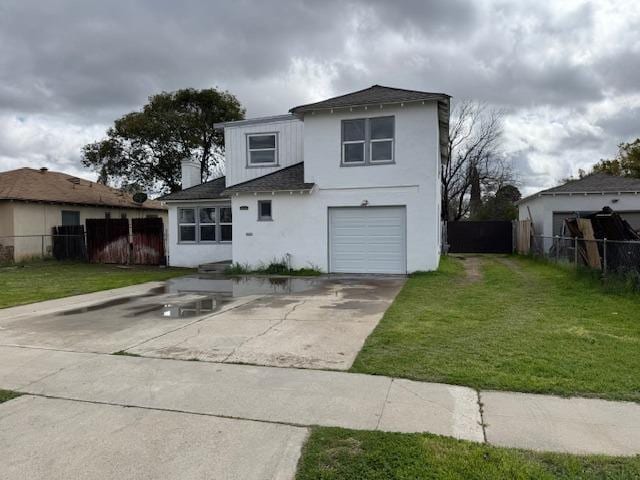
(566, 72)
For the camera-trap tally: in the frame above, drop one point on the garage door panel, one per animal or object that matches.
(367, 240)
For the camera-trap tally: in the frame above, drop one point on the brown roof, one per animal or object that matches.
(28, 184)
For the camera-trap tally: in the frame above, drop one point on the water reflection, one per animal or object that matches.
(241, 286)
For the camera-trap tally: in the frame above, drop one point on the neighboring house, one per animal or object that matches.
(350, 184)
(34, 201)
(548, 208)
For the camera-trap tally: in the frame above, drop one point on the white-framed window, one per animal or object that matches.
(264, 211)
(381, 138)
(367, 141)
(206, 224)
(353, 141)
(187, 225)
(226, 229)
(262, 149)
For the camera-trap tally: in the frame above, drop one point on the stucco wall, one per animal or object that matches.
(6, 220)
(37, 219)
(416, 150)
(6, 232)
(542, 207)
(193, 254)
(300, 228)
(300, 222)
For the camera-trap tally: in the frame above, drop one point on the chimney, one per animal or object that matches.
(190, 173)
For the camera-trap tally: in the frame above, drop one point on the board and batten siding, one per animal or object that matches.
(290, 148)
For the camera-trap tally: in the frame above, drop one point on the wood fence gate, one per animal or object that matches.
(67, 242)
(148, 241)
(108, 240)
(480, 237)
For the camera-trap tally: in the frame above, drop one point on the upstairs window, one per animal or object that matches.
(381, 134)
(262, 149)
(353, 141)
(367, 141)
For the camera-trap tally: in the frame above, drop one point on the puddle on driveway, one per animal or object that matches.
(242, 286)
(212, 292)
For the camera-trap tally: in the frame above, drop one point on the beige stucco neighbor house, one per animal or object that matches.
(32, 202)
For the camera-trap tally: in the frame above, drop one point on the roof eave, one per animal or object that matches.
(203, 199)
(312, 108)
(546, 193)
(82, 204)
(268, 191)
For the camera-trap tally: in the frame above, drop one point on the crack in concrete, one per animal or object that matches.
(59, 370)
(170, 410)
(481, 409)
(384, 404)
(268, 329)
(206, 317)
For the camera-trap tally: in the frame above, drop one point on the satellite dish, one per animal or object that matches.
(139, 197)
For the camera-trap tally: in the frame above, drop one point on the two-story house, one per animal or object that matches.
(347, 185)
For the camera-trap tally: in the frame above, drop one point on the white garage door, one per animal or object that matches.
(367, 240)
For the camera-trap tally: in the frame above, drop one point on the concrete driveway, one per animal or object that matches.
(301, 322)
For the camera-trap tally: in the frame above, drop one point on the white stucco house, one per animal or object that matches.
(548, 209)
(347, 185)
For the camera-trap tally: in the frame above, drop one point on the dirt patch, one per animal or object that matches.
(472, 268)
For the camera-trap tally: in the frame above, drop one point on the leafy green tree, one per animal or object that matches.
(626, 163)
(501, 206)
(144, 148)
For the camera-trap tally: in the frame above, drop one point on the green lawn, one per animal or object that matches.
(333, 453)
(524, 326)
(6, 395)
(37, 281)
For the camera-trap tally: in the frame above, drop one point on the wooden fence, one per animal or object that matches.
(108, 240)
(147, 241)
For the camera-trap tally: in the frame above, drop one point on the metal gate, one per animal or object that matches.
(480, 237)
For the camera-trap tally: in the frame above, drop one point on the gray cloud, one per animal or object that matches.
(69, 68)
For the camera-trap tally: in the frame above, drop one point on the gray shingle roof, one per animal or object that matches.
(374, 95)
(598, 182)
(209, 190)
(289, 178)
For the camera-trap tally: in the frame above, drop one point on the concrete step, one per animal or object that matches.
(214, 267)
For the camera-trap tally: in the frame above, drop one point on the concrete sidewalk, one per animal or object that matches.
(311, 397)
(54, 439)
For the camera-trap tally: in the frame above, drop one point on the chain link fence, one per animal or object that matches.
(19, 248)
(611, 257)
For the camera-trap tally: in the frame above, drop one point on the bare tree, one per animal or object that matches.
(474, 158)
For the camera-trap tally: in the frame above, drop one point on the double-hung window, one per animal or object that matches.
(367, 141)
(262, 149)
(225, 224)
(207, 224)
(187, 224)
(204, 225)
(353, 141)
